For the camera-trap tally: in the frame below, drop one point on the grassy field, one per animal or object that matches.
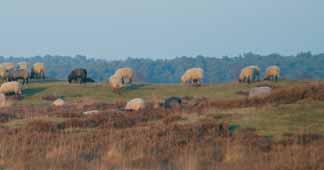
(268, 120)
(37, 135)
(35, 91)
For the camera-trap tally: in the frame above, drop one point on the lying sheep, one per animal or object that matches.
(15, 75)
(172, 102)
(193, 76)
(11, 87)
(272, 73)
(22, 65)
(249, 74)
(126, 74)
(38, 71)
(115, 82)
(135, 104)
(260, 92)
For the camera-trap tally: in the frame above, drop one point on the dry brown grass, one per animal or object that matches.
(153, 139)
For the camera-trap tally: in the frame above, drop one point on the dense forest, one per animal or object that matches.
(301, 66)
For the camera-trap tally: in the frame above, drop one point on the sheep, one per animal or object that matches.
(3, 73)
(22, 65)
(193, 76)
(78, 74)
(272, 73)
(115, 82)
(58, 102)
(125, 73)
(172, 102)
(11, 87)
(15, 75)
(135, 104)
(249, 73)
(38, 71)
(260, 92)
(8, 66)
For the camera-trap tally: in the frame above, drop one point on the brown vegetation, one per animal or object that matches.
(154, 138)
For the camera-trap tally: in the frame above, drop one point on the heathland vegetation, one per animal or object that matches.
(216, 127)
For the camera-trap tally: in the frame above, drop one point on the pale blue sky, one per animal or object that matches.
(160, 29)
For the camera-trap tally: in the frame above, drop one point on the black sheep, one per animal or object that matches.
(78, 74)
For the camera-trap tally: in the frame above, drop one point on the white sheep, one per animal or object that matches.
(8, 66)
(193, 75)
(11, 87)
(125, 73)
(135, 104)
(58, 102)
(3, 73)
(22, 65)
(115, 82)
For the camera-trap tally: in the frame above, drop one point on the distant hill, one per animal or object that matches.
(301, 66)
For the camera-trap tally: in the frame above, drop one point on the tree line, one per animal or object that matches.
(304, 65)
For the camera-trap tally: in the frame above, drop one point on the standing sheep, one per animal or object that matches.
(78, 74)
(126, 74)
(249, 74)
(193, 76)
(3, 73)
(11, 87)
(8, 66)
(22, 65)
(15, 75)
(115, 82)
(38, 71)
(135, 104)
(272, 73)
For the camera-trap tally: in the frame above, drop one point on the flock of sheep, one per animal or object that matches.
(194, 76)
(122, 77)
(10, 74)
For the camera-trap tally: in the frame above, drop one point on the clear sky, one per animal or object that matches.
(160, 28)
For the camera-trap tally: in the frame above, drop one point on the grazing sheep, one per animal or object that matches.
(193, 76)
(11, 87)
(249, 74)
(272, 73)
(3, 73)
(15, 75)
(78, 74)
(8, 66)
(135, 104)
(38, 71)
(115, 82)
(22, 65)
(126, 74)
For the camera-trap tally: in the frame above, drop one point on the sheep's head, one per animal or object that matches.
(115, 82)
(184, 79)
